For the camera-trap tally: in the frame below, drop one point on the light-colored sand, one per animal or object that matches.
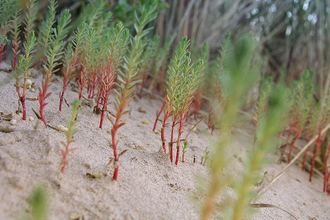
(149, 186)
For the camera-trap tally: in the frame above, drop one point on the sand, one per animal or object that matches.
(149, 186)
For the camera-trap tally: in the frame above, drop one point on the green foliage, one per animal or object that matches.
(54, 50)
(25, 61)
(7, 12)
(175, 69)
(72, 121)
(31, 16)
(46, 27)
(261, 106)
(15, 24)
(117, 44)
(149, 54)
(38, 203)
(238, 77)
(128, 77)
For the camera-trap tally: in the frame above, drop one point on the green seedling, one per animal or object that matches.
(238, 77)
(45, 32)
(15, 31)
(302, 95)
(31, 17)
(312, 125)
(69, 133)
(7, 12)
(184, 149)
(128, 78)
(305, 89)
(215, 83)
(261, 106)
(262, 180)
(159, 67)
(206, 157)
(53, 55)
(201, 87)
(148, 60)
(24, 67)
(117, 44)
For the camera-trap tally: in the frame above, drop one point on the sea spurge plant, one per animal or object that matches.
(175, 74)
(117, 42)
(311, 127)
(128, 78)
(200, 89)
(159, 67)
(31, 17)
(148, 60)
(302, 117)
(215, 84)
(261, 106)
(270, 124)
(24, 67)
(301, 96)
(185, 95)
(7, 10)
(15, 31)
(46, 30)
(236, 80)
(53, 56)
(69, 133)
(71, 58)
(324, 119)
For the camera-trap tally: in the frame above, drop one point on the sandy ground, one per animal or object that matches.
(149, 186)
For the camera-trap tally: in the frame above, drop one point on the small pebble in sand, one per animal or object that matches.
(76, 216)
(142, 110)
(30, 118)
(7, 128)
(28, 83)
(140, 147)
(132, 146)
(13, 122)
(62, 128)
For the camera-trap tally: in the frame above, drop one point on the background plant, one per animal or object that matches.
(7, 11)
(15, 31)
(147, 60)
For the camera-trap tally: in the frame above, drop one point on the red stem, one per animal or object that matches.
(103, 110)
(172, 134)
(160, 112)
(326, 173)
(304, 159)
(318, 142)
(163, 131)
(114, 147)
(161, 78)
(142, 84)
(292, 144)
(287, 139)
(179, 140)
(1, 52)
